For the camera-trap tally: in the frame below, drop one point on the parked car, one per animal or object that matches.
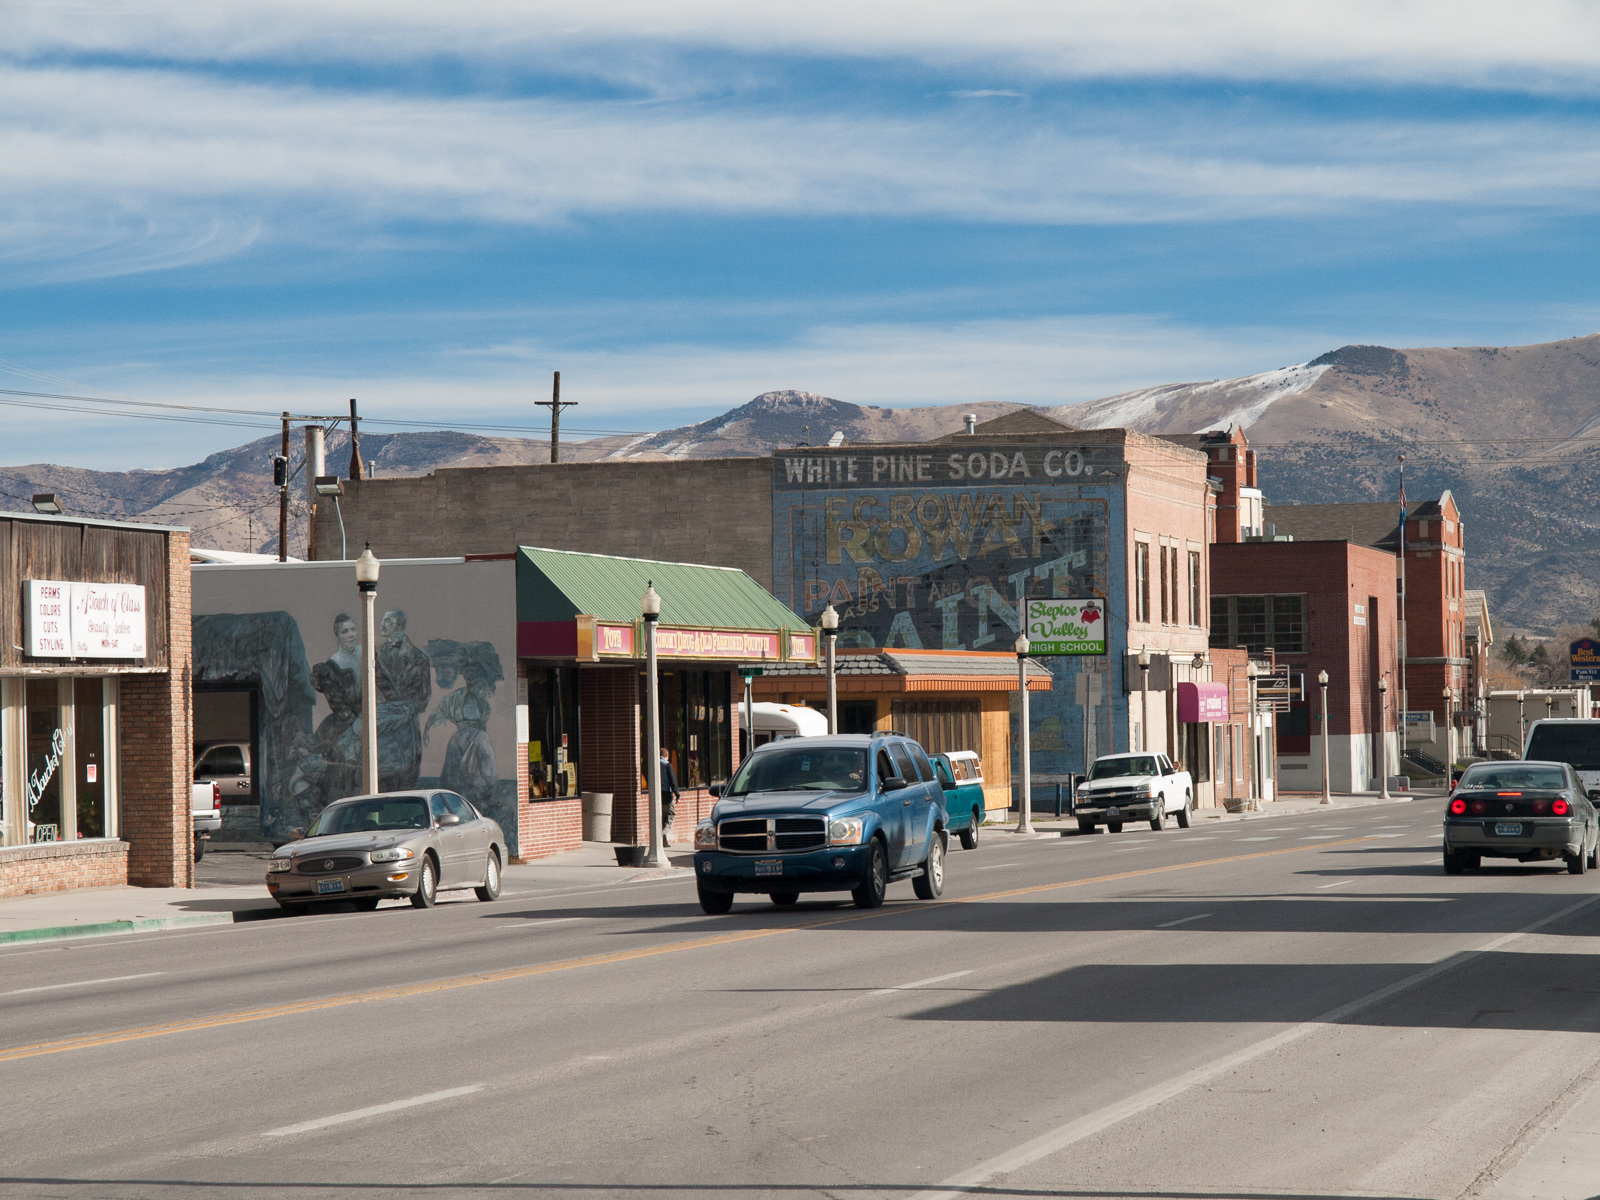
(1529, 811)
(961, 776)
(850, 812)
(205, 807)
(228, 764)
(1133, 787)
(413, 844)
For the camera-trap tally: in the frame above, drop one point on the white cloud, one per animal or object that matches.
(1539, 43)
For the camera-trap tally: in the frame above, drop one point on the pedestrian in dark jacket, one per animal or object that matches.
(669, 798)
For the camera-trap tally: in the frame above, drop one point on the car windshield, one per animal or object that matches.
(371, 816)
(1517, 777)
(1576, 745)
(792, 768)
(1110, 768)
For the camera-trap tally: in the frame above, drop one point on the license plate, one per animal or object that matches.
(1503, 829)
(769, 866)
(330, 885)
(1113, 814)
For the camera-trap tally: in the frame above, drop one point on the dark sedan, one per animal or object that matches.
(1529, 811)
(367, 848)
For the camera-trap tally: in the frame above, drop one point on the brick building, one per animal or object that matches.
(1316, 606)
(94, 705)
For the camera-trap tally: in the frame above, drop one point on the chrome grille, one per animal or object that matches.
(772, 835)
(319, 865)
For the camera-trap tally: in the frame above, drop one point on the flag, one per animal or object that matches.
(1402, 503)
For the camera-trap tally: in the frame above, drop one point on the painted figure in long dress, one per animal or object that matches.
(469, 765)
(404, 689)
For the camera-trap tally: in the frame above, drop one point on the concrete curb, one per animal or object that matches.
(51, 933)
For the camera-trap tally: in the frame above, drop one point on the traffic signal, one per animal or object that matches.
(280, 471)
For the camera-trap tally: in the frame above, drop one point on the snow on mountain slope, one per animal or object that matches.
(1193, 407)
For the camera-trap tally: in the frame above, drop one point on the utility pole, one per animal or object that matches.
(555, 404)
(1405, 647)
(356, 471)
(283, 500)
(316, 466)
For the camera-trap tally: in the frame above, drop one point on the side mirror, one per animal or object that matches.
(892, 784)
(949, 785)
(296, 835)
(716, 789)
(449, 819)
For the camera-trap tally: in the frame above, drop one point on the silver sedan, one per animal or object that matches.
(367, 848)
(1529, 811)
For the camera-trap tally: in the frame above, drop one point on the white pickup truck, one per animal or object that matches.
(1133, 787)
(205, 802)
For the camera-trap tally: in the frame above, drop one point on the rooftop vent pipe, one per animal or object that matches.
(972, 423)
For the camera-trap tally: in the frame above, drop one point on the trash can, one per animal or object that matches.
(597, 816)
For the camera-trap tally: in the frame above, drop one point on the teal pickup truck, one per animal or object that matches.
(961, 775)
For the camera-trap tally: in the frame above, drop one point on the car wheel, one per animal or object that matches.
(199, 849)
(714, 903)
(785, 899)
(930, 884)
(1085, 825)
(1183, 813)
(427, 885)
(1113, 826)
(1577, 863)
(1594, 857)
(1159, 821)
(874, 885)
(491, 878)
(969, 835)
(366, 903)
(1452, 862)
(1470, 859)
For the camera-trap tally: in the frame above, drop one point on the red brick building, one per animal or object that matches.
(94, 705)
(1316, 606)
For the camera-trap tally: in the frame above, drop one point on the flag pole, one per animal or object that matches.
(1405, 698)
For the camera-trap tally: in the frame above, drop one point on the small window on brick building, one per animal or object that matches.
(1141, 581)
(1165, 615)
(1194, 587)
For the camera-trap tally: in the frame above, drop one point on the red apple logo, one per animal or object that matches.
(1090, 615)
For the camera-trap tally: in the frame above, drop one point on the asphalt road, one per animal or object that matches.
(1298, 1007)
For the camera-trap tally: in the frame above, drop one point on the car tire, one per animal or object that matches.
(785, 899)
(969, 835)
(1577, 863)
(427, 885)
(1159, 821)
(1594, 857)
(714, 904)
(930, 884)
(874, 885)
(366, 903)
(1452, 862)
(199, 849)
(1471, 859)
(1085, 825)
(491, 878)
(1113, 826)
(1183, 813)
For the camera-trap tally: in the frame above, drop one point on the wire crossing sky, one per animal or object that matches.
(256, 206)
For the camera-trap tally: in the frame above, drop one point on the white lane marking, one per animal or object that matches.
(1318, 837)
(52, 987)
(1184, 920)
(1205, 837)
(377, 1110)
(906, 987)
(996, 866)
(1101, 1119)
(1273, 838)
(531, 924)
(1336, 883)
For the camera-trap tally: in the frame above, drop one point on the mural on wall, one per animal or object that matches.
(935, 548)
(309, 751)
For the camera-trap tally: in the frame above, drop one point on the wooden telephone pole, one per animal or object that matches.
(555, 404)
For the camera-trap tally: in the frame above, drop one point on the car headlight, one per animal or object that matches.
(393, 854)
(846, 831)
(705, 836)
(280, 864)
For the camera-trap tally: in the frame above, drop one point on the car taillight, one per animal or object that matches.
(1458, 807)
(1559, 808)
(1479, 807)
(216, 796)
(1539, 806)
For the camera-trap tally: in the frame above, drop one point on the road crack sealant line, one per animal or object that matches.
(981, 1178)
(297, 1008)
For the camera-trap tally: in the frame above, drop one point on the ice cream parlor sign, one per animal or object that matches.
(1065, 626)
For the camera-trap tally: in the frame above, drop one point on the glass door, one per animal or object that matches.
(46, 756)
(88, 751)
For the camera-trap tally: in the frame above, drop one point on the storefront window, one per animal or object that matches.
(89, 735)
(46, 755)
(694, 725)
(552, 732)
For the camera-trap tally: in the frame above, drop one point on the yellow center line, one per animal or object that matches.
(88, 1041)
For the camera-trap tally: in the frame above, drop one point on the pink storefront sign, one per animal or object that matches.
(614, 639)
(715, 643)
(1202, 702)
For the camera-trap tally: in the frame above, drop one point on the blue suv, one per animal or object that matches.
(852, 812)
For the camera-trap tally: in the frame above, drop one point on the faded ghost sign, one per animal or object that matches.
(935, 548)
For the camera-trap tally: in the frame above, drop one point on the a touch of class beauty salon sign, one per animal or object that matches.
(84, 620)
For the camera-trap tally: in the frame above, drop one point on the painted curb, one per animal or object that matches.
(52, 933)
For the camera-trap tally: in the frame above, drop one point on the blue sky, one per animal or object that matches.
(271, 206)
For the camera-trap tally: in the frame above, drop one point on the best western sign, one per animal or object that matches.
(83, 620)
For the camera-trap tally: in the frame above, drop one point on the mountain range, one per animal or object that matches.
(1513, 432)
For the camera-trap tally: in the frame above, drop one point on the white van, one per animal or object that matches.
(777, 722)
(1571, 740)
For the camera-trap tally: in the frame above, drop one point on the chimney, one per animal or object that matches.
(972, 424)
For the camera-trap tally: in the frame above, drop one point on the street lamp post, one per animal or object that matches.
(1383, 738)
(830, 634)
(367, 584)
(1322, 679)
(1024, 752)
(1522, 723)
(1144, 698)
(1449, 734)
(650, 609)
